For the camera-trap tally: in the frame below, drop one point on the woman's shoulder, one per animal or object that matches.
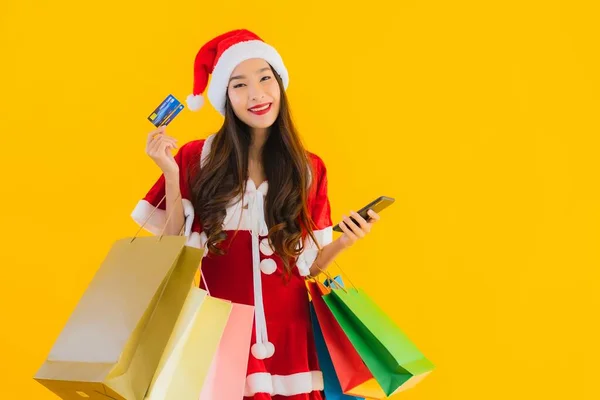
(317, 163)
(317, 179)
(192, 146)
(193, 151)
(315, 159)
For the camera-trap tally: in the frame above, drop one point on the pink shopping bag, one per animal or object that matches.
(226, 378)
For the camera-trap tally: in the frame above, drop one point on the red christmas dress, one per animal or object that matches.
(283, 360)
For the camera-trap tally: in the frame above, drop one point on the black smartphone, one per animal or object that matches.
(376, 205)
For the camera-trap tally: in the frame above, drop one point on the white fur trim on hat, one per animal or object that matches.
(231, 58)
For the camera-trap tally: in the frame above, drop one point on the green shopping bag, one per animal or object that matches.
(393, 359)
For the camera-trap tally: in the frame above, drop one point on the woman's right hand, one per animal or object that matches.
(158, 147)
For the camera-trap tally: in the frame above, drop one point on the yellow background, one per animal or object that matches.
(479, 117)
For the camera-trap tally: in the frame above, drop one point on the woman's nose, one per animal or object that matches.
(256, 92)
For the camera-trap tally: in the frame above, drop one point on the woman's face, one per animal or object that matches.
(254, 93)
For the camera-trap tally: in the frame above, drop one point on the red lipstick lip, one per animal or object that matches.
(262, 112)
(258, 106)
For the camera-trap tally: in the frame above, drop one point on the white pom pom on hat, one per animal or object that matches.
(195, 102)
(220, 56)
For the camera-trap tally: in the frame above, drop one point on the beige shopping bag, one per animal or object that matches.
(113, 341)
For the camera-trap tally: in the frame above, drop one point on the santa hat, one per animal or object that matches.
(220, 56)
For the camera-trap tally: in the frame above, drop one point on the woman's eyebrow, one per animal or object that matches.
(244, 77)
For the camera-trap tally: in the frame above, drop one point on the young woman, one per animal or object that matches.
(256, 201)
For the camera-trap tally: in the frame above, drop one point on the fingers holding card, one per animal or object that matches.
(158, 143)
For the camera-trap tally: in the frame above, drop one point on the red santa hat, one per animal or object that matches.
(220, 56)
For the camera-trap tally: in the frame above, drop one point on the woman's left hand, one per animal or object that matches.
(352, 231)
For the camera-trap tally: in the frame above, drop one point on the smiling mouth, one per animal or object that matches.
(260, 109)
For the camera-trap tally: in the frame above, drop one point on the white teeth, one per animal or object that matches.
(260, 108)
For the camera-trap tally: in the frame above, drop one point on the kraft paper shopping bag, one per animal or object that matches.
(114, 338)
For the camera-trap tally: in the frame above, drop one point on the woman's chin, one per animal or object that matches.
(259, 123)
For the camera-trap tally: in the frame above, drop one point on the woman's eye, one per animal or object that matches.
(264, 78)
(238, 85)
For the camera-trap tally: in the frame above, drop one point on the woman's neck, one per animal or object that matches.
(255, 166)
(259, 138)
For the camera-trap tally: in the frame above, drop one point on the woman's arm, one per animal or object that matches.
(174, 205)
(352, 233)
(158, 147)
(326, 257)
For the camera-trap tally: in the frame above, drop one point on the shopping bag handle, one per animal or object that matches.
(345, 276)
(331, 279)
(166, 222)
(202, 278)
(328, 275)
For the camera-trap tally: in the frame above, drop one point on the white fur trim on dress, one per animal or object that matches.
(206, 149)
(141, 212)
(284, 385)
(157, 222)
(229, 60)
(197, 240)
(188, 212)
(309, 254)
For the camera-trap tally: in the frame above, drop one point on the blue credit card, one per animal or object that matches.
(166, 111)
(173, 115)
